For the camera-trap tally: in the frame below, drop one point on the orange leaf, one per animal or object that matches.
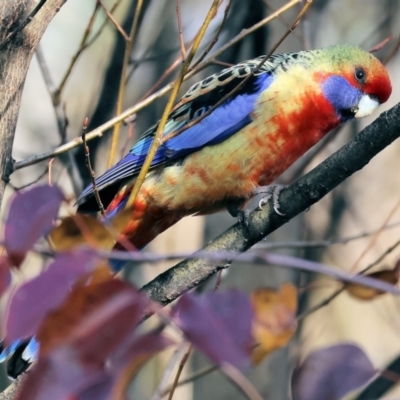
(274, 319)
(80, 229)
(368, 293)
(77, 230)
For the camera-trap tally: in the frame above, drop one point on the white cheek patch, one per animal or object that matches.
(366, 106)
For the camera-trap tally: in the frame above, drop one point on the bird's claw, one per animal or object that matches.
(243, 217)
(271, 192)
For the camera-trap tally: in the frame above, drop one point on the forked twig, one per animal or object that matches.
(114, 21)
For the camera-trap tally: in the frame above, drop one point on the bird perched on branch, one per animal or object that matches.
(285, 106)
(239, 148)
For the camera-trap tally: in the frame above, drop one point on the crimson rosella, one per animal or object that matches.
(240, 148)
(284, 108)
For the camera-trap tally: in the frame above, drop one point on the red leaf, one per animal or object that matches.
(93, 349)
(218, 324)
(30, 216)
(35, 298)
(94, 319)
(331, 373)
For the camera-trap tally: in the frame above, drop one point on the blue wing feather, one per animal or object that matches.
(223, 122)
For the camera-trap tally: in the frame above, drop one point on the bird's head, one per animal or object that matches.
(353, 80)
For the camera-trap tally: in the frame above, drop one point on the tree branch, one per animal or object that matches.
(17, 48)
(297, 198)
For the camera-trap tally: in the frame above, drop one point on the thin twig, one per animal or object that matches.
(89, 167)
(50, 165)
(223, 64)
(122, 83)
(61, 119)
(156, 57)
(162, 390)
(216, 37)
(284, 22)
(336, 293)
(104, 24)
(381, 257)
(130, 122)
(180, 30)
(177, 84)
(146, 102)
(376, 236)
(167, 72)
(83, 45)
(240, 381)
(179, 372)
(114, 21)
(36, 180)
(323, 303)
(191, 378)
(27, 20)
(395, 49)
(319, 243)
(381, 44)
(51, 88)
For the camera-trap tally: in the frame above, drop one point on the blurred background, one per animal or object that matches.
(366, 203)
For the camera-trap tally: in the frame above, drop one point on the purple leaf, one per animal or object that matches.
(58, 377)
(101, 390)
(35, 298)
(100, 350)
(331, 373)
(138, 346)
(218, 324)
(30, 216)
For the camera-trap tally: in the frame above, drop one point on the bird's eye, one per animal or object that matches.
(360, 74)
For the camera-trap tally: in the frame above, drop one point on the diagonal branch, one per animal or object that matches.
(297, 198)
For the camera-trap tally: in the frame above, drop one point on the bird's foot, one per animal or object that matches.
(271, 191)
(237, 212)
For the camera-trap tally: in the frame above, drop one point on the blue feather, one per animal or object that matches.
(223, 122)
(342, 95)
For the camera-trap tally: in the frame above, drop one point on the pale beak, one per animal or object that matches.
(366, 106)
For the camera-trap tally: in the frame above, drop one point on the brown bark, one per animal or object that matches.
(15, 57)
